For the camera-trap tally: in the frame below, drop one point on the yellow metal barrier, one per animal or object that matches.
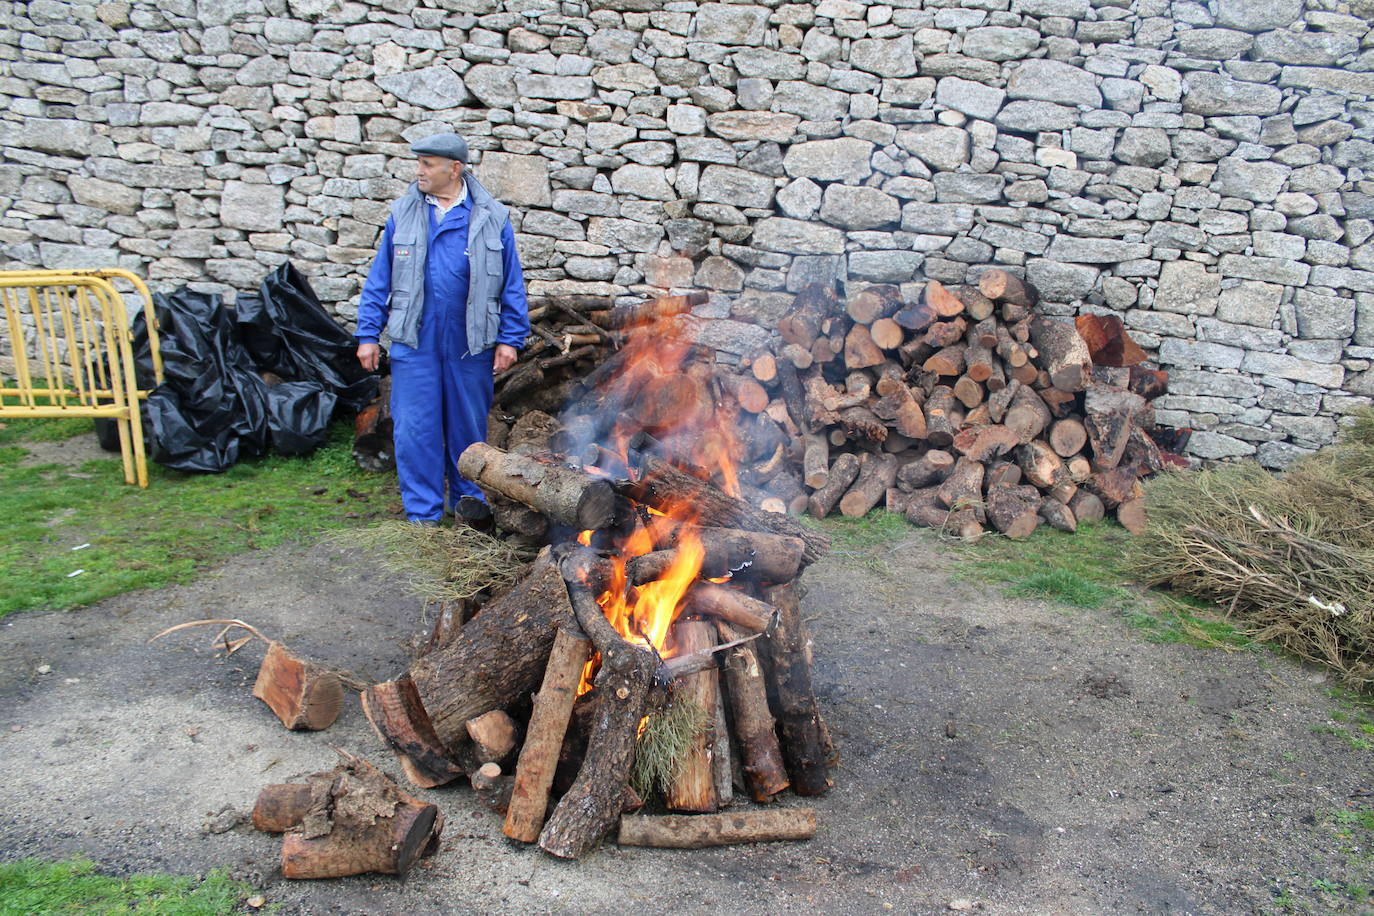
(69, 338)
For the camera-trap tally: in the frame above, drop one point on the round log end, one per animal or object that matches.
(596, 506)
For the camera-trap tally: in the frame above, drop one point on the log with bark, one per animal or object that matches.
(302, 694)
(800, 727)
(693, 785)
(564, 494)
(724, 829)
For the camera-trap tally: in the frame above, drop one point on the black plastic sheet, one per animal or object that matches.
(270, 375)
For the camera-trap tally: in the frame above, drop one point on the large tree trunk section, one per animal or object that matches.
(399, 718)
(693, 787)
(681, 831)
(359, 822)
(529, 798)
(1063, 354)
(760, 754)
(564, 494)
(799, 720)
(497, 657)
(592, 804)
(663, 487)
(842, 474)
(876, 474)
(1107, 340)
(303, 695)
(1110, 415)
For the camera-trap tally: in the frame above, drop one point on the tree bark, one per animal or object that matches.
(874, 302)
(842, 473)
(802, 324)
(758, 742)
(799, 721)
(1014, 510)
(662, 486)
(932, 467)
(494, 735)
(1109, 415)
(591, 806)
(876, 474)
(497, 657)
(400, 721)
(730, 605)
(693, 787)
(1063, 354)
(1004, 286)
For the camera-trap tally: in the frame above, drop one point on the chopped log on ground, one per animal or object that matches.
(899, 407)
(564, 494)
(681, 831)
(303, 695)
(876, 474)
(1014, 510)
(281, 806)
(1057, 515)
(1087, 507)
(1110, 415)
(983, 443)
(887, 333)
(963, 488)
(860, 351)
(1107, 340)
(943, 418)
(493, 787)
(1132, 515)
(932, 467)
(1067, 437)
(359, 822)
(1027, 416)
(1006, 287)
(1063, 354)
(494, 735)
(400, 721)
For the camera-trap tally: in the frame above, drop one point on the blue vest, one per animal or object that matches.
(410, 245)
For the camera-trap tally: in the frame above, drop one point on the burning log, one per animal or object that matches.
(563, 494)
(747, 555)
(529, 796)
(702, 831)
(591, 806)
(648, 312)
(662, 486)
(799, 720)
(731, 605)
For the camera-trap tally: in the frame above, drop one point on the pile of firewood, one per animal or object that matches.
(500, 697)
(964, 409)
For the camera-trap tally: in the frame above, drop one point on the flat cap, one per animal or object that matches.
(449, 146)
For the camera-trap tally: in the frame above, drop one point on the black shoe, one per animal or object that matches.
(475, 513)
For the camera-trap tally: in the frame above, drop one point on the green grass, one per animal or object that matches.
(59, 888)
(1087, 570)
(867, 540)
(1352, 721)
(165, 534)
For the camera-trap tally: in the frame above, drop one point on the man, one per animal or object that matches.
(447, 286)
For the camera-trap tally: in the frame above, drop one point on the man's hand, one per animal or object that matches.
(503, 360)
(368, 355)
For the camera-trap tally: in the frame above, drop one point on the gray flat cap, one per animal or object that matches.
(449, 146)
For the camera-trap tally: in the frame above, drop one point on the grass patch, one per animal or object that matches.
(1081, 570)
(165, 534)
(867, 540)
(59, 888)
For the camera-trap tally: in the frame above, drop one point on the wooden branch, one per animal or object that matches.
(548, 724)
(724, 829)
(842, 473)
(731, 605)
(693, 787)
(758, 742)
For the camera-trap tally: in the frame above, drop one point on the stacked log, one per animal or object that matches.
(965, 409)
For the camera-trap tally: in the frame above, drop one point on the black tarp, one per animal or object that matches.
(270, 374)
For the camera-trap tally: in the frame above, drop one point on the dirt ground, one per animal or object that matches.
(999, 755)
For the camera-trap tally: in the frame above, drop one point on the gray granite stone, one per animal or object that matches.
(1053, 81)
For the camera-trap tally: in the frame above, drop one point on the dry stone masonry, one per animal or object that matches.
(1196, 167)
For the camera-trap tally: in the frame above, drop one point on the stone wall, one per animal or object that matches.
(1196, 167)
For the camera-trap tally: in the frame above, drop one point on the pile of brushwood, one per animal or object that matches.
(1289, 557)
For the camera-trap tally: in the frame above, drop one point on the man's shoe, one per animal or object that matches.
(475, 513)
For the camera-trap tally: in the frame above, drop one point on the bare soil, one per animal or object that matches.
(1004, 756)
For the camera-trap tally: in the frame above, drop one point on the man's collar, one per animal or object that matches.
(462, 196)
